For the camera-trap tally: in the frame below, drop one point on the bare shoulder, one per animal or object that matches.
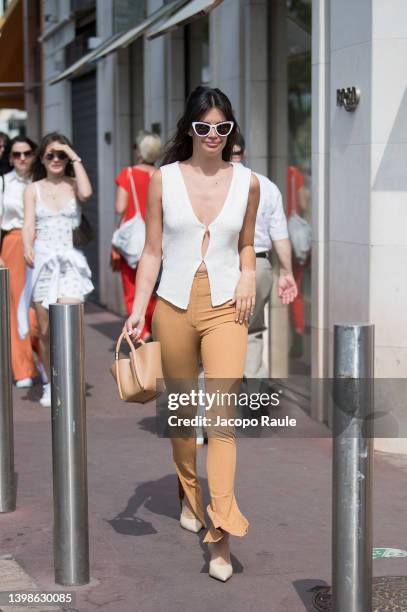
(254, 182)
(156, 182)
(156, 175)
(30, 189)
(254, 185)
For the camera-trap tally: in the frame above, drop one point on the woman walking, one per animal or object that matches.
(201, 218)
(20, 153)
(58, 271)
(132, 184)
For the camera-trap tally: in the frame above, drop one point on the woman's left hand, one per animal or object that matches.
(245, 295)
(59, 146)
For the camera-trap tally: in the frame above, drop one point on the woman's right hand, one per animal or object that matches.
(134, 326)
(29, 256)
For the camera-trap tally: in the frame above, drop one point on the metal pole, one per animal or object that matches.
(7, 479)
(352, 468)
(69, 458)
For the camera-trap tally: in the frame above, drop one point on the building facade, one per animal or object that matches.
(20, 67)
(113, 67)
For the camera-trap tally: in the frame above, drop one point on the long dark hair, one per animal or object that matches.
(5, 138)
(201, 100)
(4, 161)
(38, 169)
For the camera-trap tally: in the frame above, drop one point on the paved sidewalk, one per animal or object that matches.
(141, 560)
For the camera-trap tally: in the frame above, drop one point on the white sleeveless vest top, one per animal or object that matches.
(183, 234)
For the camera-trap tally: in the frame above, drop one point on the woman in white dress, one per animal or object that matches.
(58, 272)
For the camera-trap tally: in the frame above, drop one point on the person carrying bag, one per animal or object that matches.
(128, 239)
(131, 202)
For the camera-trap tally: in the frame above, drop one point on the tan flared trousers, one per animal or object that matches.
(212, 333)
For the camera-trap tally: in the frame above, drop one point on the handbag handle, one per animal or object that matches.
(125, 335)
(133, 190)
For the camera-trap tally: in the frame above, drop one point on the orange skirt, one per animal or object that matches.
(12, 253)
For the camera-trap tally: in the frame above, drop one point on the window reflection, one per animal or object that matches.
(298, 21)
(197, 64)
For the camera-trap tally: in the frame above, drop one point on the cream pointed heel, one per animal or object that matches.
(190, 524)
(220, 571)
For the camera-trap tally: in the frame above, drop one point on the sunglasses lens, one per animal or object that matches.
(202, 129)
(223, 129)
(19, 154)
(58, 154)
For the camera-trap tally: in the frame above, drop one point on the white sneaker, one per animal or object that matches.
(24, 383)
(46, 396)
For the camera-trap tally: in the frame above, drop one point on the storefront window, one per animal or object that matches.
(197, 65)
(298, 194)
(127, 14)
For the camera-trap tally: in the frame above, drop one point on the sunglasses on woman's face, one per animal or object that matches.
(19, 154)
(203, 129)
(61, 155)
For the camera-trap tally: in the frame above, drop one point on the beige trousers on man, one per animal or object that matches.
(212, 333)
(255, 366)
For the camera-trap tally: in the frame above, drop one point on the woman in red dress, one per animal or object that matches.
(147, 151)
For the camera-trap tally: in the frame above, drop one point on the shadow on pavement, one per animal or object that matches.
(110, 329)
(149, 424)
(158, 496)
(34, 393)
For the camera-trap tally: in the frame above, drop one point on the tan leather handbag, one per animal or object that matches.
(139, 376)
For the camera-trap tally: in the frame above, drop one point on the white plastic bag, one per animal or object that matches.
(301, 237)
(129, 238)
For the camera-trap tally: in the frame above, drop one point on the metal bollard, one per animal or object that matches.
(7, 478)
(69, 456)
(352, 468)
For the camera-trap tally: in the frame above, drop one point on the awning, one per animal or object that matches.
(12, 60)
(131, 35)
(120, 40)
(193, 10)
(81, 63)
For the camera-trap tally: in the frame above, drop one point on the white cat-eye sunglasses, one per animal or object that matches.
(203, 129)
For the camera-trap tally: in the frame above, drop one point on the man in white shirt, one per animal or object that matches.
(271, 230)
